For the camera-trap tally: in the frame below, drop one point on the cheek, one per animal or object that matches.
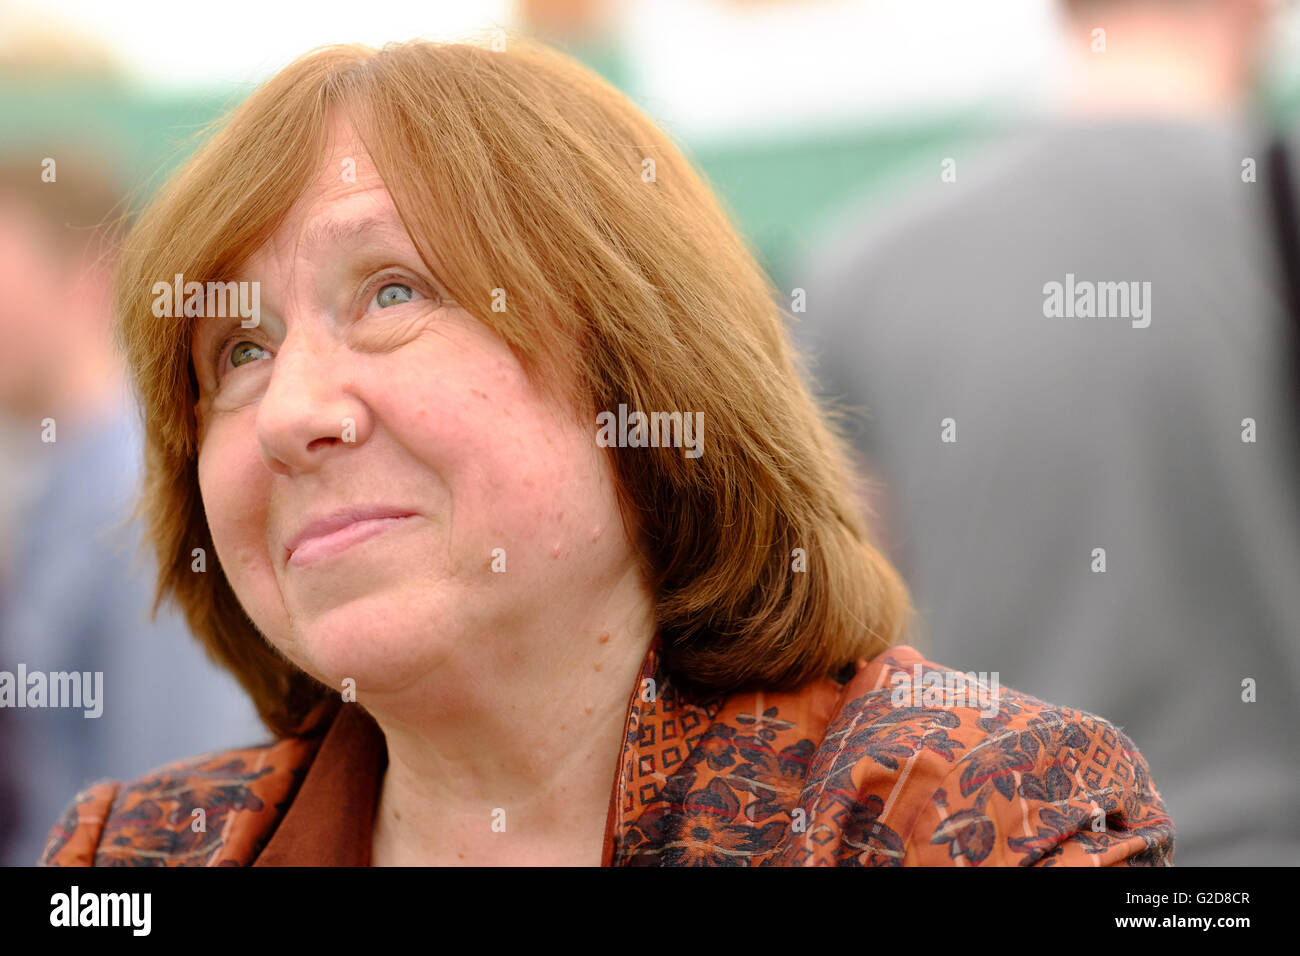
(518, 471)
(510, 469)
(235, 488)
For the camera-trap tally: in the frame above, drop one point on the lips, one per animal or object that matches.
(329, 535)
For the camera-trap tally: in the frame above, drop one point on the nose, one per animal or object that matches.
(310, 410)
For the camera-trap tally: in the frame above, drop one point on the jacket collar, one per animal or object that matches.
(762, 741)
(706, 780)
(330, 820)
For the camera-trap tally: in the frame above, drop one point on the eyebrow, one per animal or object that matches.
(322, 232)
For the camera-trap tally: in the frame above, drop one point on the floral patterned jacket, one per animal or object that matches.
(900, 762)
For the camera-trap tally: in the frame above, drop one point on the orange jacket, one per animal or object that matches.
(902, 763)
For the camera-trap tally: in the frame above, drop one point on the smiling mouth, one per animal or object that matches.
(320, 547)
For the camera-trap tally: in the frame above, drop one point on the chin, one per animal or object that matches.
(367, 640)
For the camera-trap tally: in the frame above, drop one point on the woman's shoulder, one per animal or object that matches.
(947, 767)
(217, 809)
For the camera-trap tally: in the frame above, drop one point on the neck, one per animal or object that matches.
(510, 760)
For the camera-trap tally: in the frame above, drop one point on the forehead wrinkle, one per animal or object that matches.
(334, 231)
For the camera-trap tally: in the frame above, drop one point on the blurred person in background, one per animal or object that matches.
(1072, 485)
(74, 593)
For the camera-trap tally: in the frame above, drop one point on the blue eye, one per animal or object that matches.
(394, 293)
(246, 350)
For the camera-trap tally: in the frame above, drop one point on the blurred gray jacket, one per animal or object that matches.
(1076, 433)
(77, 598)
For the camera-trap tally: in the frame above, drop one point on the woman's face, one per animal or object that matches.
(406, 425)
